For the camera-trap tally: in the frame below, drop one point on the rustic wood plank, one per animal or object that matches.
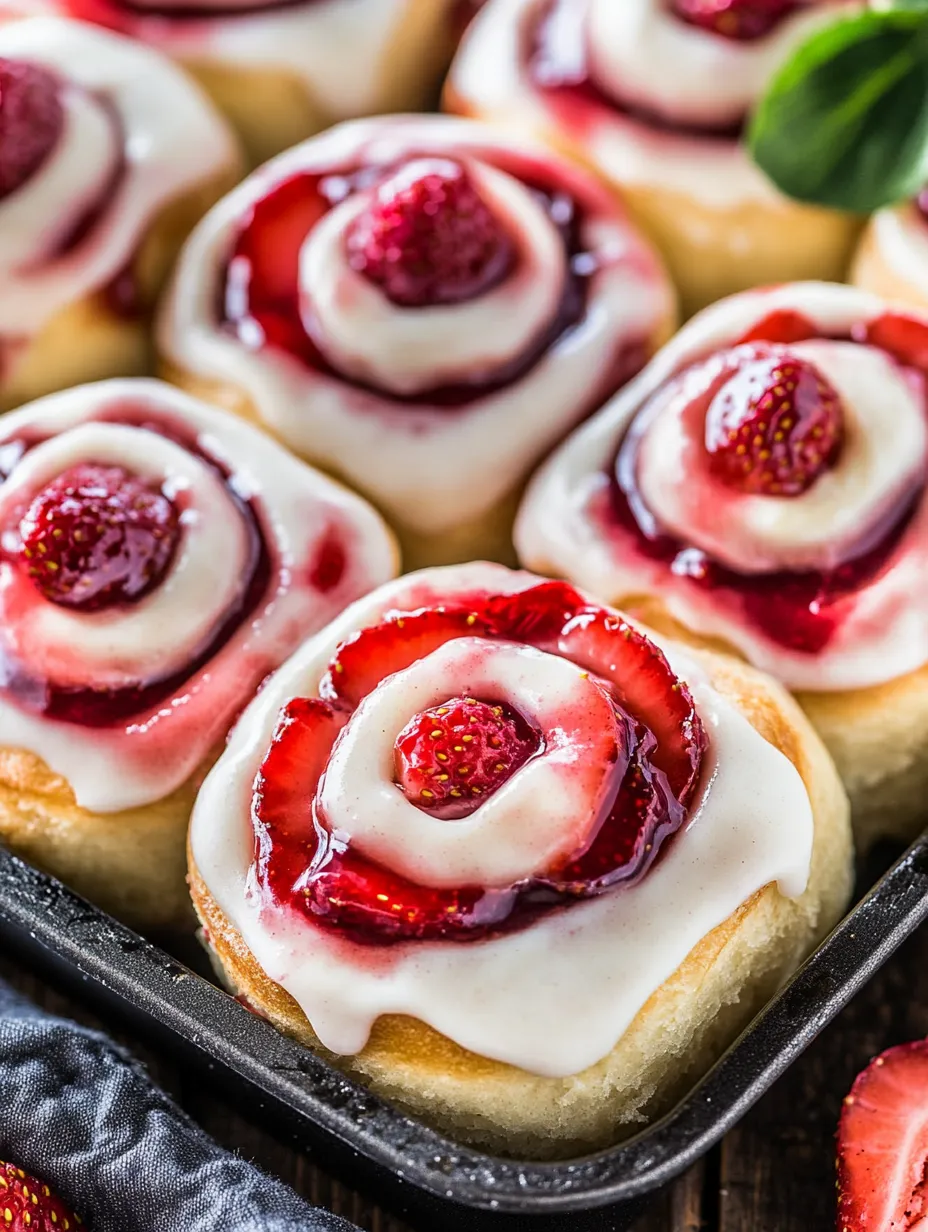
(679, 1208)
(776, 1169)
(777, 1172)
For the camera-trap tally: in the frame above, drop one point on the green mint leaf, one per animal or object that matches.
(845, 122)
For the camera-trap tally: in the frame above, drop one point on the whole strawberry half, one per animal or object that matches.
(28, 1205)
(883, 1145)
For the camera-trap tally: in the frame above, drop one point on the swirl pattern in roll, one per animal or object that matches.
(473, 767)
(421, 307)
(765, 480)
(285, 69)
(157, 560)
(108, 154)
(653, 95)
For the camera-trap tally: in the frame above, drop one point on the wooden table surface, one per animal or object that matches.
(774, 1173)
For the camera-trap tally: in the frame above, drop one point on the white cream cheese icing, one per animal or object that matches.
(493, 846)
(885, 633)
(142, 759)
(884, 453)
(408, 350)
(643, 54)
(124, 104)
(600, 959)
(400, 454)
(339, 48)
(669, 68)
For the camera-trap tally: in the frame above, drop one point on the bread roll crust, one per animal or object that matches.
(877, 737)
(89, 340)
(676, 1036)
(130, 863)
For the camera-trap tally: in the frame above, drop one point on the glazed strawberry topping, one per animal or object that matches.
(799, 610)
(451, 757)
(736, 19)
(318, 872)
(265, 307)
(31, 120)
(775, 426)
(883, 1144)
(428, 238)
(28, 1205)
(97, 536)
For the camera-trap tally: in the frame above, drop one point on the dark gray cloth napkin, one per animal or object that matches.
(79, 1113)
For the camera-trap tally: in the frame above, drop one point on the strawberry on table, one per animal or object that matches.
(883, 1145)
(28, 1205)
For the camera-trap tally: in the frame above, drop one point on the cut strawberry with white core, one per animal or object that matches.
(883, 1145)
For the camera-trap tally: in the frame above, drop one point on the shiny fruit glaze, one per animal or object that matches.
(91, 707)
(428, 238)
(774, 424)
(557, 64)
(260, 293)
(97, 537)
(741, 20)
(801, 611)
(31, 121)
(301, 863)
(450, 758)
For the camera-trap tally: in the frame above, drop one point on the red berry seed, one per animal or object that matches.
(302, 862)
(31, 121)
(97, 536)
(775, 425)
(428, 238)
(450, 758)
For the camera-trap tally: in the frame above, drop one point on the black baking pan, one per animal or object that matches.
(431, 1181)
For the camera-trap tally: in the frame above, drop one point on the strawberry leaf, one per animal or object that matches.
(845, 122)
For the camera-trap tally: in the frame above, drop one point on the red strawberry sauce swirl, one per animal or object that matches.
(558, 64)
(93, 706)
(655, 744)
(130, 17)
(797, 609)
(259, 292)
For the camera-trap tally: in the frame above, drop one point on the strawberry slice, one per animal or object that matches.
(646, 688)
(479, 744)
(903, 337)
(883, 1145)
(285, 788)
(370, 656)
(774, 426)
(450, 758)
